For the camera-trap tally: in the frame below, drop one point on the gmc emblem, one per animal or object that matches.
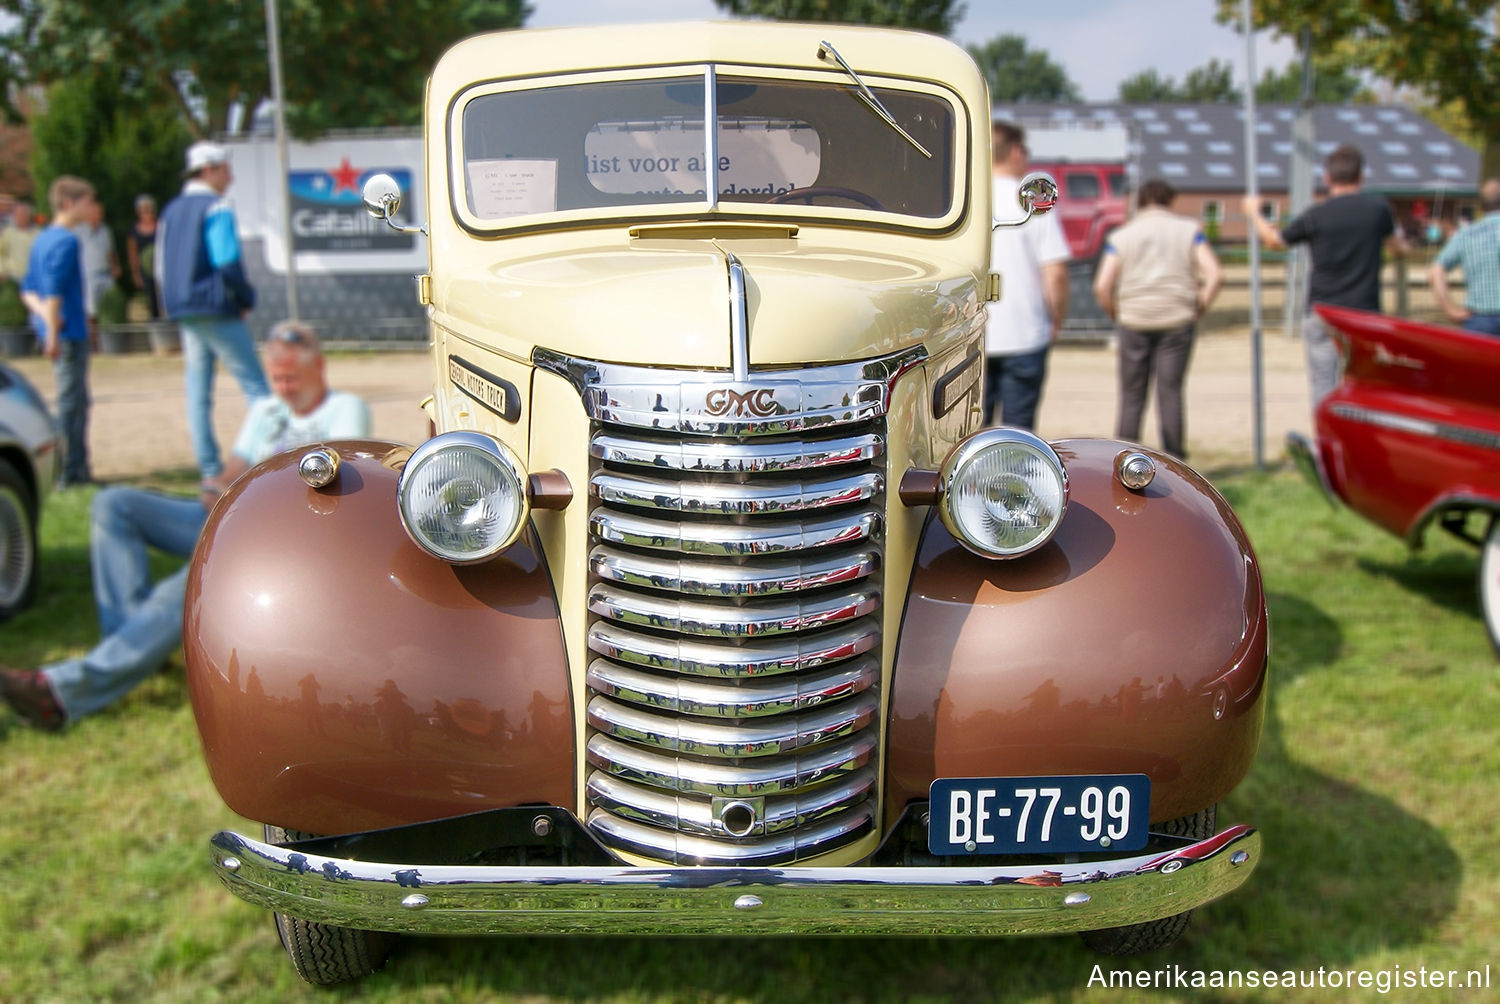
(759, 403)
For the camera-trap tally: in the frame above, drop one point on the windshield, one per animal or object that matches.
(789, 147)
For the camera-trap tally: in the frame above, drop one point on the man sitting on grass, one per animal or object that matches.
(141, 624)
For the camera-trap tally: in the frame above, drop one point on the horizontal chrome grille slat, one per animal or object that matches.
(700, 657)
(694, 813)
(703, 577)
(757, 737)
(727, 620)
(699, 457)
(769, 695)
(774, 498)
(763, 776)
(729, 539)
(681, 848)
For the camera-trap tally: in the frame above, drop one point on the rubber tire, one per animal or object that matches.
(1489, 582)
(19, 556)
(322, 954)
(1133, 939)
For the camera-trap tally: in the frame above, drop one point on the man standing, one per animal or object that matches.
(1167, 275)
(100, 266)
(53, 292)
(1476, 249)
(204, 289)
(1032, 261)
(1345, 233)
(15, 243)
(140, 624)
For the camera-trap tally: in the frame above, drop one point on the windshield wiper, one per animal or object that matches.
(824, 51)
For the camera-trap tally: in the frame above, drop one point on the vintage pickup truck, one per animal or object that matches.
(711, 606)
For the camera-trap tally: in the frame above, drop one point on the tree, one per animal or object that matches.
(928, 15)
(1211, 83)
(344, 64)
(96, 129)
(1332, 85)
(1018, 73)
(1148, 87)
(1445, 49)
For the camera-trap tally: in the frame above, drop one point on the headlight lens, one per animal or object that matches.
(463, 497)
(1003, 492)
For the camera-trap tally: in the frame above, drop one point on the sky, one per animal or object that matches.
(1099, 42)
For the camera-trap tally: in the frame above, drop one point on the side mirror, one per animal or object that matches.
(382, 196)
(383, 201)
(1037, 195)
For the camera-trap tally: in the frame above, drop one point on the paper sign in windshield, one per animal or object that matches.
(499, 188)
(756, 156)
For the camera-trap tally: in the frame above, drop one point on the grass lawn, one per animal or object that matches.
(1377, 789)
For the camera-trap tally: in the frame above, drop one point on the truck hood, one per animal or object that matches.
(667, 304)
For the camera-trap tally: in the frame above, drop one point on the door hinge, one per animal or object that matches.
(992, 287)
(424, 290)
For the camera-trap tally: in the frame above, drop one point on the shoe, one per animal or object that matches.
(30, 696)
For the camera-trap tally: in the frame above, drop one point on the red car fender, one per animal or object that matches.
(343, 679)
(1134, 641)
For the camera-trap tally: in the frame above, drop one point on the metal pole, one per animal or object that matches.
(1252, 189)
(273, 46)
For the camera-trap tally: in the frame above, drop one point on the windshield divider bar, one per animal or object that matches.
(711, 132)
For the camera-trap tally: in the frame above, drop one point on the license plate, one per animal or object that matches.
(1039, 815)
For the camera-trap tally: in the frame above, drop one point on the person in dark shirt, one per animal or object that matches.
(1345, 233)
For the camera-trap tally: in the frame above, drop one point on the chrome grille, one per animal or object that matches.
(735, 605)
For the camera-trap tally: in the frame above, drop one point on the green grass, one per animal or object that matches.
(1377, 790)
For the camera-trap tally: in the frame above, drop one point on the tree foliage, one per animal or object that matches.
(1148, 87)
(1332, 85)
(928, 15)
(344, 65)
(1016, 72)
(1445, 49)
(94, 128)
(1211, 83)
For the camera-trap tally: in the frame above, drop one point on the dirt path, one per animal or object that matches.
(138, 421)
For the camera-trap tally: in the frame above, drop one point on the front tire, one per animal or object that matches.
(323, 954)
(1489, 582)
(1133, 939)
(18, 547)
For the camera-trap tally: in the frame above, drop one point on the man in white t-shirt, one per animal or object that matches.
(140, 624)
(1032, 261)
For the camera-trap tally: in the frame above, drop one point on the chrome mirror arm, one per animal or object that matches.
(382, 197)
(1037, 196)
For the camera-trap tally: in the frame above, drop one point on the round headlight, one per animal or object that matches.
(1003, 492)
(463, 497)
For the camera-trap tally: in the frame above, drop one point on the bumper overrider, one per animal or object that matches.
(390, 888)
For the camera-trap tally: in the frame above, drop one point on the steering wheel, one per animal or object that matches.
(826, 192)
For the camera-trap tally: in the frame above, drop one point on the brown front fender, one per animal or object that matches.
(343, 679)
(1134, 641)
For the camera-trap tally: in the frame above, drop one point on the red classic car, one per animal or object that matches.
(1410, 436)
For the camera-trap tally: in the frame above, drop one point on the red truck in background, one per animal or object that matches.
(1093, 162)
(1095, 200)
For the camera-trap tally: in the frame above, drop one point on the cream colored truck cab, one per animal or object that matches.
(710, 593)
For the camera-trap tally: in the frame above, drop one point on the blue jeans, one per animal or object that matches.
(205, 340)
(140, 624)
(71, 368)
(1013, 386)
(1484, 324)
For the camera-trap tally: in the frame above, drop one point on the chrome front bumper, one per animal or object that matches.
(618, 899)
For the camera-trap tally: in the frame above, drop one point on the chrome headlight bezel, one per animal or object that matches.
(961, 465)
(510, 473)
